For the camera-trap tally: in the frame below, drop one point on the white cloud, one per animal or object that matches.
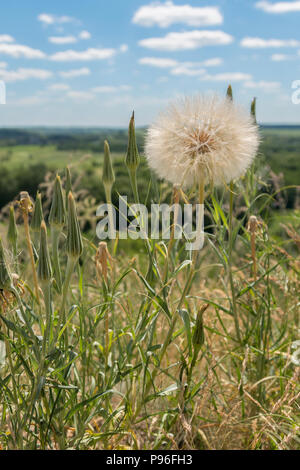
(35, 100)
(6, 38)
(48, 19)
(59, 87)
(212, 62)
(124, 48)
(84, 35)
(258, 43)
(187, 40)
(111, 89)
(280, 57)
(89, 54)
(158, 62)
(187, 70)
(228, 77)
(3, 65)
(80, 95)
(263, 85)
(75, 73)
(166, 14)
(278, 7)
(24, 74)
(18, 50)
(62, 39)
(190, 69)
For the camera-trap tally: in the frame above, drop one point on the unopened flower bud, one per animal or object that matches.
(74, 240)
(132, 159)
(108, 176)
(57, 212)
(253, 109)
(44, 265)
(37, 217)
(229, 93)
(12, 233)
(198, 336)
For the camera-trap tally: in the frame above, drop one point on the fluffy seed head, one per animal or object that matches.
(202, 136)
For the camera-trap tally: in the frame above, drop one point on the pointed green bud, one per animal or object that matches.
(12, 233)
(74, 240)
(68, 182)
(37, 217)
(229, 93)
(44, 265)
(5, 277)
(108, 176)
(132, 159)
(198, 336)
(253, 109)
(57, 212)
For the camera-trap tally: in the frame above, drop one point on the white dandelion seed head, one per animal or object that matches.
(202, 135)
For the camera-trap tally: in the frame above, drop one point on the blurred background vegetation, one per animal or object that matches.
(27, 156)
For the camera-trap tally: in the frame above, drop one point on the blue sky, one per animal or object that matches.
(91, 62)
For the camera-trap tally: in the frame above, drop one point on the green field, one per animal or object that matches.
(25, 165)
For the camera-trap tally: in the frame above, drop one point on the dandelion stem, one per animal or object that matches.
(233, 296)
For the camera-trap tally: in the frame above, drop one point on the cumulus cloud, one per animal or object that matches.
(75, 73)
(263, 85)
(158, 62)
(278, 7)
(18, 50)
(280, 57)
(87, 55)
(111, 89)
(3, 65)
(124, 48)
(59, 87)
(62, 39)
(6, 38)
(85, 35)
(166, 14)
(80, 95)
(228, 77)
(190, 69)
(187, 40)
(24, 74)
(185, 69)
(259, 43)
(49, 19)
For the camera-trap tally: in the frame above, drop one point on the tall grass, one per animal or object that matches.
(106, 348)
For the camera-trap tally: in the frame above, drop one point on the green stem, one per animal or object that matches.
(133, 181)
(62, 314)
(46, 288)
(233, 296)
(109, 208)
(55, 233)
